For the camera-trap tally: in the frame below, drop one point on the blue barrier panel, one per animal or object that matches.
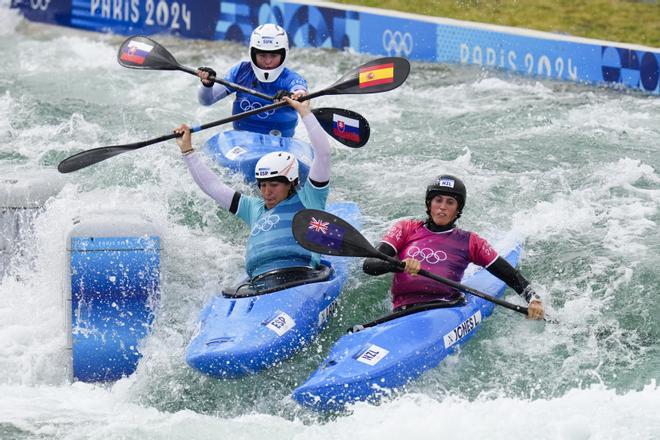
(115, 286)
(393, 36)
(367, 30)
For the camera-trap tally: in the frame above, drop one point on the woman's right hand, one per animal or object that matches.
(184, 142)
(207, 75)
(412, 266)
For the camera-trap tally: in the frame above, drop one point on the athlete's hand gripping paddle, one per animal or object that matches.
(327, 234)
(138, 52)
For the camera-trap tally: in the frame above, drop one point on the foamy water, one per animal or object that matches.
(571, 172)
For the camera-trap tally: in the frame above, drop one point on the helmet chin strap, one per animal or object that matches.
(292, 188)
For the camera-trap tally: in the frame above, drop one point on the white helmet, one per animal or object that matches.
(269, 38)
(277, 164)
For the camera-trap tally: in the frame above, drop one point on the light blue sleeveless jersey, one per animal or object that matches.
(271, 244)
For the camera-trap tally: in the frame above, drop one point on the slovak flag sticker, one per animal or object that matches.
(135, 52)
(346, 128)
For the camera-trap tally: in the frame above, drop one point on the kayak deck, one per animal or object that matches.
(239, 151)
(237, 336)
(369, 364)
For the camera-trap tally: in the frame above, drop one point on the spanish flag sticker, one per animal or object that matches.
(374, 75)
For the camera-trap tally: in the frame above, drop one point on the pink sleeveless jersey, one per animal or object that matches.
(443, 253)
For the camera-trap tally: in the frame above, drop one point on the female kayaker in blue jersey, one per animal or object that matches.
(271, 244)
(438, 246)
(265, 73)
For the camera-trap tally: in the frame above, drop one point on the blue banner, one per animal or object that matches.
(367, 30)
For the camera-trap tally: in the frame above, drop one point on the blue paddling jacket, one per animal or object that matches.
(281, 121)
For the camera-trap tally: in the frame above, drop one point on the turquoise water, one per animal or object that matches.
(569, 171)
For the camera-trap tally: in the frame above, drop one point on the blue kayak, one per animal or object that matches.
(239, 151)
(239, 335)
(368, 364)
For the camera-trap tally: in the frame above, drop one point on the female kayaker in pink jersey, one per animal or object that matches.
(438, 246)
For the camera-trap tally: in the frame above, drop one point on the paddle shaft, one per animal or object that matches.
(329, 90)
(235, 117)
(232, 118)
(226, 83)
(455, 285)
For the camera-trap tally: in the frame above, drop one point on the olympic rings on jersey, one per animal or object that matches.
(247, 105)
(39, 4)
(397, 43)
(265, 224)
(426, 254)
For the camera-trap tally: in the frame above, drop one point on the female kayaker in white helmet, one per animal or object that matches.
(265, 72)
(438, 246)
(271, 245)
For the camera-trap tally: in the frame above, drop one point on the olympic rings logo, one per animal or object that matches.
(247, 105)
(397, 43)
(39, 4)
(265, 224)
(426, 254)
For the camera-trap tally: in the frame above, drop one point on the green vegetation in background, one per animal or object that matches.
(635, 22)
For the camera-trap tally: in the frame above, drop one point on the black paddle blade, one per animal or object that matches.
(376, 76)
(346, 126)
(96, 155)
(325, 233)
(139, 52)
(89, 157)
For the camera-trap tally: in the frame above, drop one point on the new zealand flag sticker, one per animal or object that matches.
(325, 234)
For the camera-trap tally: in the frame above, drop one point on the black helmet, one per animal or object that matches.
(448, 185)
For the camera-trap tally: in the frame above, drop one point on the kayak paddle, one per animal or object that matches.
(143, 53)
(326, 117)
(327, 234)
(380, 75)
(138, 52)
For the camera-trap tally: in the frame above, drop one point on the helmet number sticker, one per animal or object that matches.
(449, 183)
